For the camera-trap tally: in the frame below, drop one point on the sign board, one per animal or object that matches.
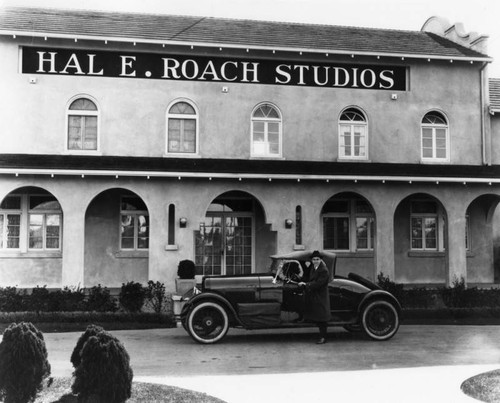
(165, 66)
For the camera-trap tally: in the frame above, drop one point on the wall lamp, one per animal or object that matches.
(288, 223)
(183, 222)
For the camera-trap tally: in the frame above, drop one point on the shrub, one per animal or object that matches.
(11, 300)
(155, 296)
(132, 296)
(387, 284)
(186, 269)
(39, 300)
(91, 330)
(104, 374)
(23, 363)
(100, 300)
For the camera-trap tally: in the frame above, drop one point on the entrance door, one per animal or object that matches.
(224, 244)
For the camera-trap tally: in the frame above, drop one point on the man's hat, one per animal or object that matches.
(315, 254)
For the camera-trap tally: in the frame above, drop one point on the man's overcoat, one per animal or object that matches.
(317, 307)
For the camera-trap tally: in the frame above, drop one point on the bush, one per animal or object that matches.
(186, 269)
(104, 374)
(91, 330)
(100, 300)
(156, 296)
(11, 300)
(387, 284)
(132, 296)
(23, 363)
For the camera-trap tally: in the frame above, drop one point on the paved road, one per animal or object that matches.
(421, 363)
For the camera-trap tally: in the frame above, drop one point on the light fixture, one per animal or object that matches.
(288, 223)
(183, 222)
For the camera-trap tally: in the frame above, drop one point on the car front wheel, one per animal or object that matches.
(380, 320)
(207, 322)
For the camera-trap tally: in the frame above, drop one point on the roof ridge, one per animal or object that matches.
(200, 18)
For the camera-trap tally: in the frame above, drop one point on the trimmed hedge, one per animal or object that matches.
(133, 297)
(456, 296)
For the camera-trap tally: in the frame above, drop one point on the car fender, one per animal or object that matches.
(210, 296)
(381, 295)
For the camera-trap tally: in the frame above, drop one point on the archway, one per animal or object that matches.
(234, 238)
(31, 225)
(483, 240)
(420, 241)
(116, 239)
(348, 225)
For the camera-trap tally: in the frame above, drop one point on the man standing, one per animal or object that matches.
(317, 307)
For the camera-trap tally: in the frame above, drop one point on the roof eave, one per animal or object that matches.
(429, 57)
(246, 176)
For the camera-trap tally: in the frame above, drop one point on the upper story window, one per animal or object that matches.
(182, 128)
(353, 135)
(435, 137)
(266, 131)
(82, 125)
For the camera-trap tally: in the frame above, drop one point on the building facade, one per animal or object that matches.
(131, 142)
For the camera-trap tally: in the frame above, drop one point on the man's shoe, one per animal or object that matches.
(322, 340)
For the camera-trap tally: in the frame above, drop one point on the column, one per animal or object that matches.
(384, 250)
(456, 252)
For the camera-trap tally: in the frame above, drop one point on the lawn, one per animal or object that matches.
(60, 392)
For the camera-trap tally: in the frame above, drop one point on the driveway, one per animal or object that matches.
(421, 363)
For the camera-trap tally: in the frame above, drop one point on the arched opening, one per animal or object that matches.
(348, 227)
(420, 241)
(116, 239)
(483, 240)
(234, 238)
(31, 230)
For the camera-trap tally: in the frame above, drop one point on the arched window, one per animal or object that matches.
(353, 135)
(82, 125)
(266, 131)
(435, 137)
(182, 128)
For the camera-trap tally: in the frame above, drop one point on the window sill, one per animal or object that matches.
(345, 159)
(299, 247)
(426, 253)
(82, 152)
(171, 247)
(181, 155)
(267, 157)
(122, 254)
(442, 162)
(367, 254)
(31, 255)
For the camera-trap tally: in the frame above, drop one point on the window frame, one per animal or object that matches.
(352, 124)
(440, 226)
(135, 215)
(24, 213)
(434, 127)
(266, 121)
(352, 215)
(83, 113)
(195, 117)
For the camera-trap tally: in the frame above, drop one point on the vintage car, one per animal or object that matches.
(275, 300)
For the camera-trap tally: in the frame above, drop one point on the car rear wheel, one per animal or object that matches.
(380, 320)
(207, 322)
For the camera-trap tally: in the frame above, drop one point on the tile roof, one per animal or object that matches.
(228, 32)
(205, 167)
(494, 94)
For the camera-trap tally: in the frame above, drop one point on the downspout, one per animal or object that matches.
(486, 159)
